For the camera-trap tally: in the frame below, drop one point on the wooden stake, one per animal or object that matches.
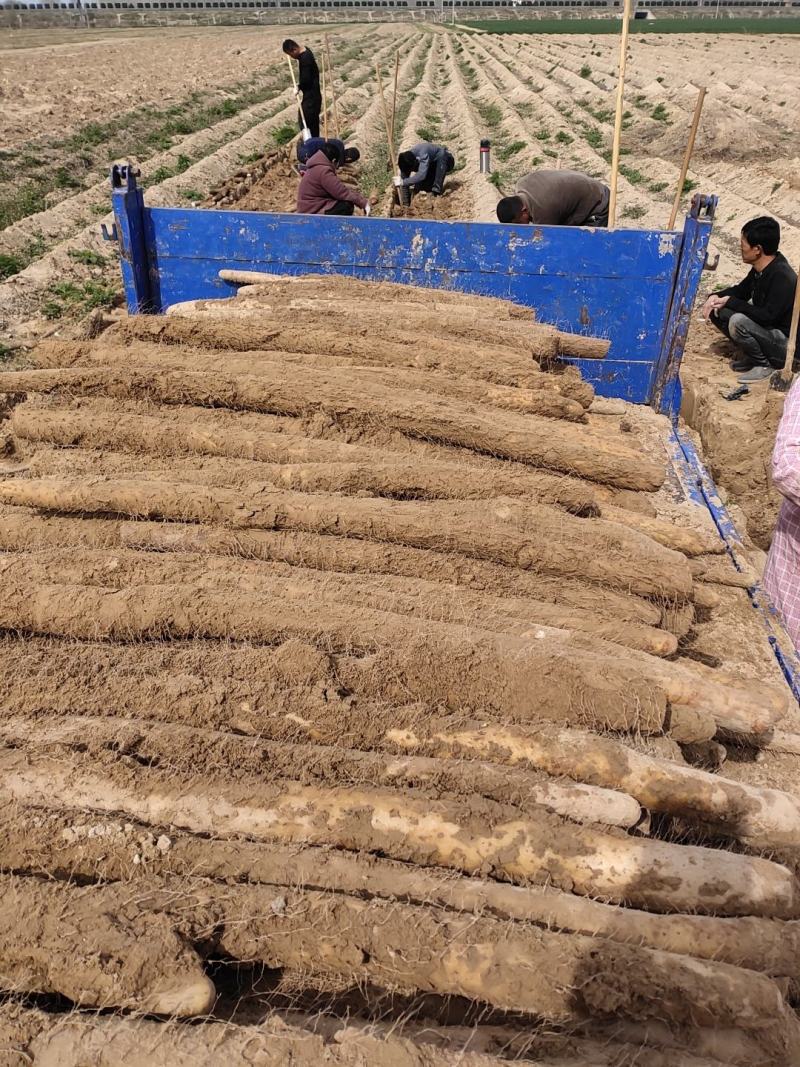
(386, 119)
(785, 376)
(324, 102)
(623, 59)
(333, 91)
(394, 92)
(687, 155)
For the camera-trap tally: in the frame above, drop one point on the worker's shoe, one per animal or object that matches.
(755, 374)
(742, 365)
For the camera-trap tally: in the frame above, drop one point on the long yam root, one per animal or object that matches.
(550, 542)
(638, 872)
(525, 438)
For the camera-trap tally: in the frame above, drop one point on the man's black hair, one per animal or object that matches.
(450, 161)
(407, 162)
(509, 208)
(331, 151)
(763, 231)
(289, 46)
(351, 155)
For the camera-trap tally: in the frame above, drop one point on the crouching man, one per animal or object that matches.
(756, 314)
(321, 190)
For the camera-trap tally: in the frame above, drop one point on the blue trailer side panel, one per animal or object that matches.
(617, 285)
(633, 287)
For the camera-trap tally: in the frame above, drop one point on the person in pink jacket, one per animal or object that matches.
(782, 572)
(321, 190)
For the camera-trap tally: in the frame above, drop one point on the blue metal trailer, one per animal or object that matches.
(634, 287)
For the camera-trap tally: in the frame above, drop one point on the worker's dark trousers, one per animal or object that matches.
(434, 180)
(763, 347)
(600, 217)
(341, 207)
(599, 220)
(312, 105)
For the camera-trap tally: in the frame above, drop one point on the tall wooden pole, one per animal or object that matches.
(687, 156)
(623, 60)
(389, 133)
(394, 93)
(333, 90)
(324, 103)
(386, 121)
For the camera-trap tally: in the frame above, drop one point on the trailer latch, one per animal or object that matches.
(711, 264)
(109, 235)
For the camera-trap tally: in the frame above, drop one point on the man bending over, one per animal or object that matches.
(756, 314)
(423, 168)
(556, 198)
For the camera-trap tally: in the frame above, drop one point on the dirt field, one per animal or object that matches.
(208, 104)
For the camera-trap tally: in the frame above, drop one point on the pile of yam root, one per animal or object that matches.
(347, 707)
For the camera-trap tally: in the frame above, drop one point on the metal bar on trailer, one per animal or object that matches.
(666, 394)
(129, 211)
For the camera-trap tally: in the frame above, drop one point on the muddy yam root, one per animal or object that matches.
(102, 848)
(542, 395)
(416, 597)
(765, 818)
(325, 765)
(449, 665)
(301, 463)
(67, 940)
(24, 530)
(622, 869)
(523, 438)
(529, 537)
(60, 1041)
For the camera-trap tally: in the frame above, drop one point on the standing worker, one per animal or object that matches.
(307, 84)
(423, 168)
(322, 192)
(556, 198)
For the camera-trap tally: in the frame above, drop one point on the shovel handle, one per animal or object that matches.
(786, 373)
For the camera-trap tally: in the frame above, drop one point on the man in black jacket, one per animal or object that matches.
(307, 84)
(756, 314)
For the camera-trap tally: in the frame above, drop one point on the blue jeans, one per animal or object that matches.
(763, 347)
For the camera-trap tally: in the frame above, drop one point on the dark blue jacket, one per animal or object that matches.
(306, 149)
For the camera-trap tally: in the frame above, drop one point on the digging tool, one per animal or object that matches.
(387, 124)
(305, 132)
(782, 379)
(333, 91)
(623, 59)
(676, 203)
